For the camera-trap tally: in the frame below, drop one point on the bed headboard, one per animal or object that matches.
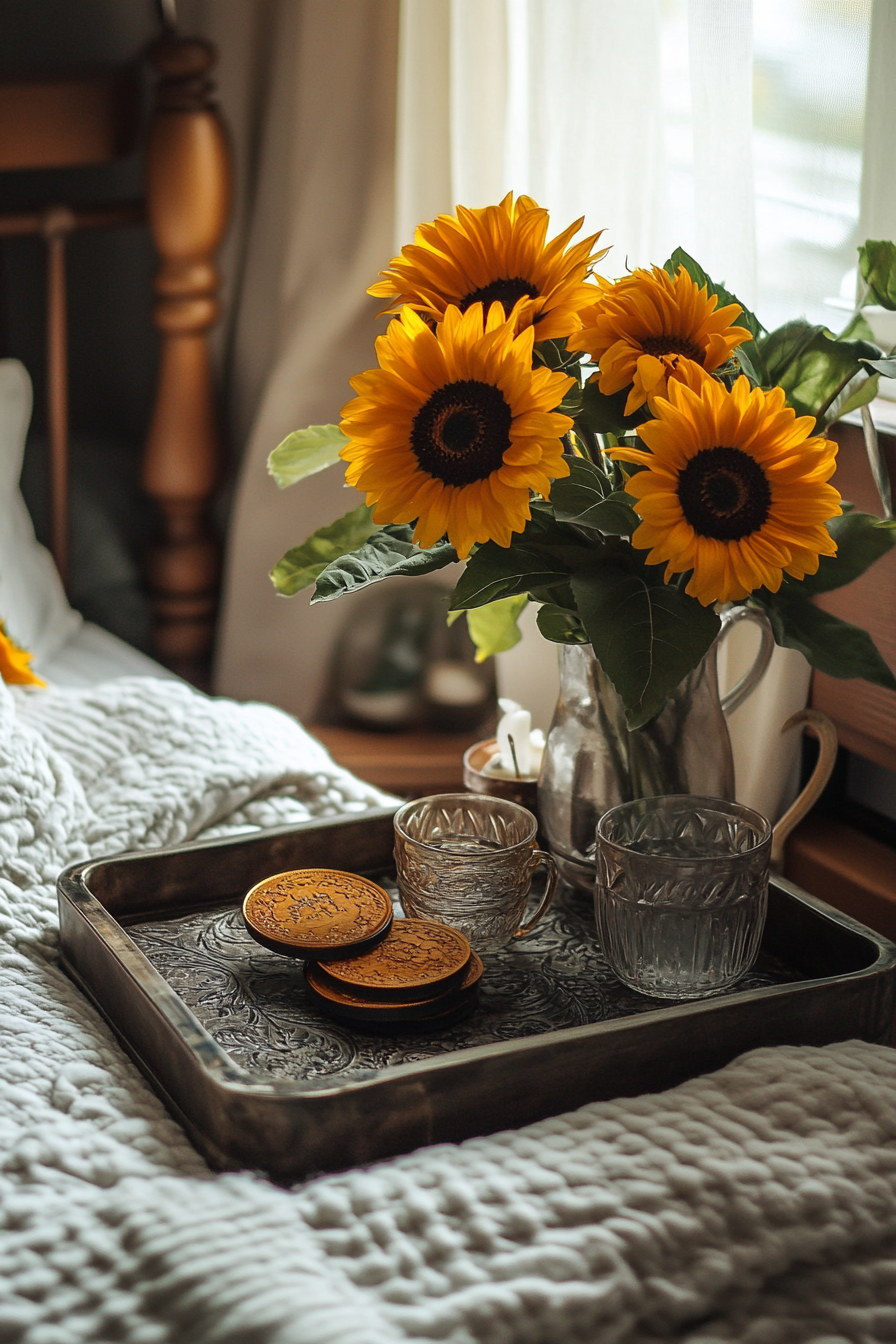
(89, 118)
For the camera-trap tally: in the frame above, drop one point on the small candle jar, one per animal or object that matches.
(478, 780)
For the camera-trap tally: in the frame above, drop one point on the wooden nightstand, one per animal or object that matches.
(409, 764)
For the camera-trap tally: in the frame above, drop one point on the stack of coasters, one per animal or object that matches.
(361, 967)
(421, 973)
(317, 913)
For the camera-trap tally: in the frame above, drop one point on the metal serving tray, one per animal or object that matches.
(261, 1080)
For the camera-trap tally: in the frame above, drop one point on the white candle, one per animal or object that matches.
(516, 723)
(536, 744)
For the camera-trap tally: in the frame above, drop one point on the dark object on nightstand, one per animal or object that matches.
(398, 665)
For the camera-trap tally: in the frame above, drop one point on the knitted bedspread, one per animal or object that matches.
(755, 1204)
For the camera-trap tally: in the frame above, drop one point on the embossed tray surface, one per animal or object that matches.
(261, 1079)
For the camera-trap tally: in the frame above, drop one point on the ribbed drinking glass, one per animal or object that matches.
(681, 893)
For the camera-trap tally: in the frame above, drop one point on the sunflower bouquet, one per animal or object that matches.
(626, 454)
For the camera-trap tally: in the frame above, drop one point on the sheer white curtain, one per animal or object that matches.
(640, 117)
(574, 102)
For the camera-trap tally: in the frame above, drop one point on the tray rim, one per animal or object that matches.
(223, 1072)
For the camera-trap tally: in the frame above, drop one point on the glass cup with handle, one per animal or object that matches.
(468, 860)
(681, 893)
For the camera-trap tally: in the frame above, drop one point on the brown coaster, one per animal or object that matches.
(418, 959)
(336, 1003)
(419, 1026)
(317, 913)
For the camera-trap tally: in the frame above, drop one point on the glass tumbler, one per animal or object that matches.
(681, 893)
(468, 860)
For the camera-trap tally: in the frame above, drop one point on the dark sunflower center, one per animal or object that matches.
(506, 292)
(672, 345)
(461, 433)
(724, 493)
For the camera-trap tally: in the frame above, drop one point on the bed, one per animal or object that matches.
(754, 1204)
(757, 1203)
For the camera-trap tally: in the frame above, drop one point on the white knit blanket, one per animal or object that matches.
(755, 1204)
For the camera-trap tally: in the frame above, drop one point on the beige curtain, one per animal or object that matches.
(308, 88)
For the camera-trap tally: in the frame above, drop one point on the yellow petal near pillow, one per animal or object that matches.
(14, 663)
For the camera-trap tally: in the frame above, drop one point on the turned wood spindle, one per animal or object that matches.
(56, 224)
(188, 198)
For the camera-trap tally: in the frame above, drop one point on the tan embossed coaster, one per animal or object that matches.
(317, 913)
(418, 959)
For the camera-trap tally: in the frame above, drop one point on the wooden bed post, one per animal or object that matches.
(188, 199)
(57, 224)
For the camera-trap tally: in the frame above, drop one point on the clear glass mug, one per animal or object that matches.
(681, 893)
(468, 860)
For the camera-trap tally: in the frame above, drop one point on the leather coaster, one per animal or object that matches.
(418, 959)
(317, 913)
(349, 1007)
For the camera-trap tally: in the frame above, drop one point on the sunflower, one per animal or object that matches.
(455, 427)
(644, 326)
(14, 663)
(734, 488)
(497, 254)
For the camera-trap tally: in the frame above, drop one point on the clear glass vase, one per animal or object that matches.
(592, 761)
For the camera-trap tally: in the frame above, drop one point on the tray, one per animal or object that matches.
(260, 1080)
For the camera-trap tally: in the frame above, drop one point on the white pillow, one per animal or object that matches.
(33, 605)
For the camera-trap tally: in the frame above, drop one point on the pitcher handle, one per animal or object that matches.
(751, 679)
(544, 860)
(821, 727)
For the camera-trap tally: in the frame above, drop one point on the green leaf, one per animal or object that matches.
(861, 540)
(885, 367)
(388, 553)
(645, 638)
(812, 366)
(857, 393)
(747, 319)
(856, 329)
(605, 415)
(585, 486)
(553, 354)
(615, 516)
(571, 404)
(559, 625)
(586, 498)
(305, 452)
(751, 367)
(877, 266)
(302, 564)
(543, 525)
(494, 628)
(877, 462)
(785, 344)
(495, 571)
(829, 644)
